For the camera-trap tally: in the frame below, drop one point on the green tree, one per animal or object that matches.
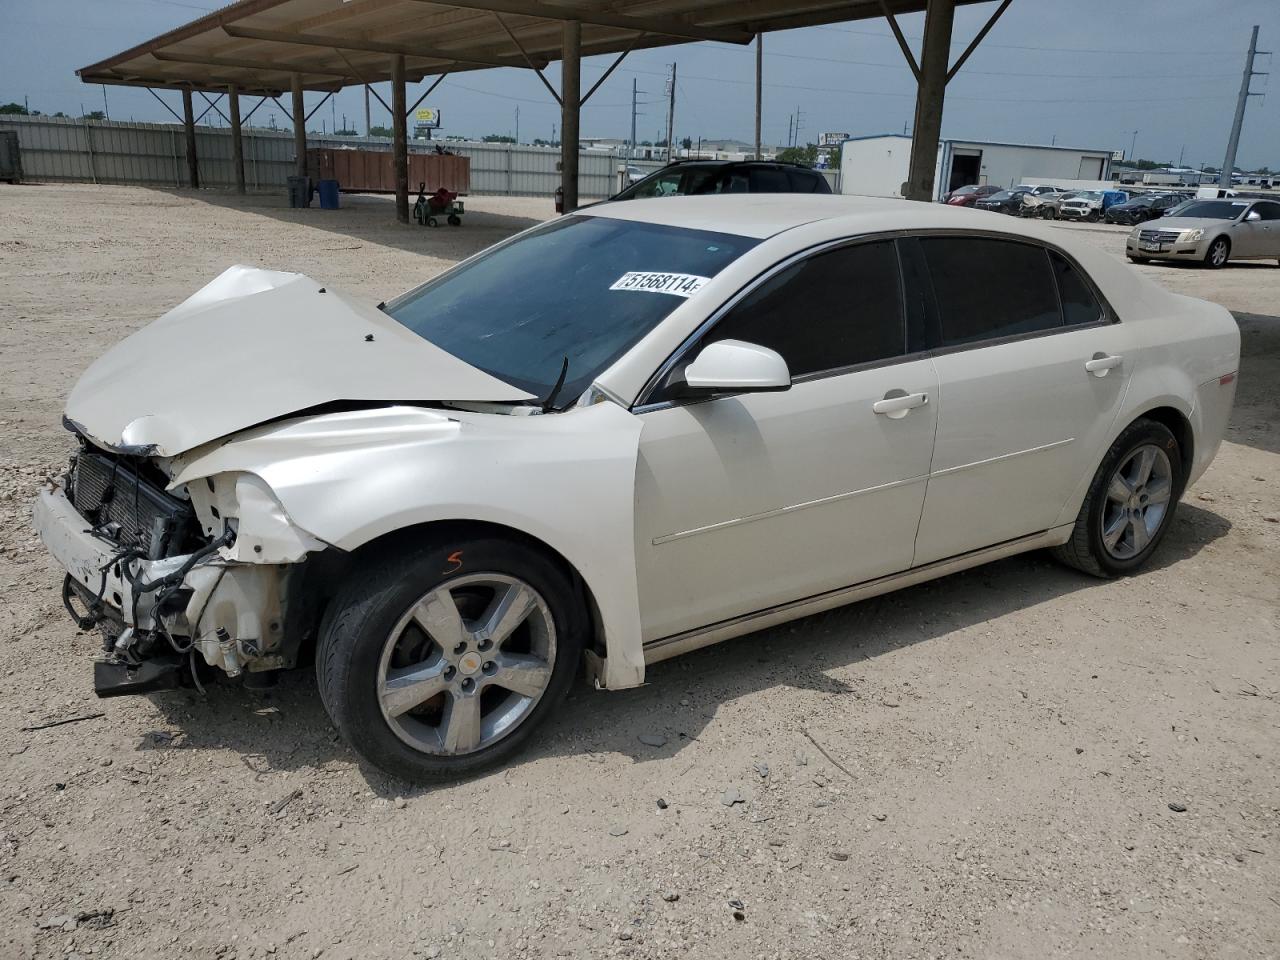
(345, 133)
(687, 143)
(94, 115)
(13, 109)
(380, 131)
(498, 138)
(808, 155)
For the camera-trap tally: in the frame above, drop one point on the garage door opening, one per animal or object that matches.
(966, 168)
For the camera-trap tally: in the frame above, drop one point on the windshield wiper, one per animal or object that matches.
(549, 404)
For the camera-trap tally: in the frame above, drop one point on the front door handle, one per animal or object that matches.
(897, 404)
(1101, 363)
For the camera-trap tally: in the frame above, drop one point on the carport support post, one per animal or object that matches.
(237, 142)
(570, 112)
(400, 139)
(935, 57)
(299, 128)
(189, 125)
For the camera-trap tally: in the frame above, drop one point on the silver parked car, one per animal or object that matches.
(1210, 232)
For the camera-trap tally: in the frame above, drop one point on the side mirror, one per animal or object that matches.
(731, 366)
(1253, 215)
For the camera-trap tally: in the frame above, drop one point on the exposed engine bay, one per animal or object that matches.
(156, 571)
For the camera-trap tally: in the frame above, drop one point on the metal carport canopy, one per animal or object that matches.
(264, 47)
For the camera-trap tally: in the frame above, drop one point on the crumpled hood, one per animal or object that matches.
(255, 345)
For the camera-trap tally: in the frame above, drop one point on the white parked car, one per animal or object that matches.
(617, 437)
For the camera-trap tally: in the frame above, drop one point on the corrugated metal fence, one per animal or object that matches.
(57, 148)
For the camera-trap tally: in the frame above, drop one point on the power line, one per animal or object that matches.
(910, 94)
(1017, 46)
(989, 73)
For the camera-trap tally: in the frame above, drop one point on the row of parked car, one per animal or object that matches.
(1050, 202)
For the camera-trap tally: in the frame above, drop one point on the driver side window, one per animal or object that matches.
(833, 310)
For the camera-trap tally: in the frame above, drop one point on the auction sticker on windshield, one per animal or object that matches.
(676, 284)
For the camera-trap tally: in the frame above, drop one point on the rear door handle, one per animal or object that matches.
(897, 404)
(1101, 363)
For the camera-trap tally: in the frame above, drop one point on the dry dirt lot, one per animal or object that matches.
(980, 767)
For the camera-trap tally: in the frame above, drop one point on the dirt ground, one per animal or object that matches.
(981, 767)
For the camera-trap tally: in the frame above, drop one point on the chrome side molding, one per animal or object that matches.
(673, 646)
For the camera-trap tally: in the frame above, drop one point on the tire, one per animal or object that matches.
(455, 220)
(1140, 259)
(432, 222)
(1218, 254)
(370, 634)
(1091, 548)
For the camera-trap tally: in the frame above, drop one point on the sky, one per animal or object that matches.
(1158, 76)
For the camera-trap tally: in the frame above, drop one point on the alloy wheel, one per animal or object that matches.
(1138, 497)
(466, 664)
(1218, 253)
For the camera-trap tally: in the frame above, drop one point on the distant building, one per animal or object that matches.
(877, 165)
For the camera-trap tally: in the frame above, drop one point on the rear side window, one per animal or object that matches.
(1268, 211)
(989, 288)
(1079, 305)
(832, 310)
(769, 181)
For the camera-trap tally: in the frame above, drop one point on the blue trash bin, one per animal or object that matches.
(328, 190)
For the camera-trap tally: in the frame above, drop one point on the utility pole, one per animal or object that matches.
(671, 112)
(1133, 147)
(1229, 164)
(759, 84)
(517, 126)
(106, 111)
(631, 149)
(367, 131)
(1181, 151)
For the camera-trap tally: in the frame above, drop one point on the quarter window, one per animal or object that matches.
(1079, 305)
(990, 288)
(1268, 211)
(834, 309)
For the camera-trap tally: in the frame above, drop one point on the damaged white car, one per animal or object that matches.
(614, 438)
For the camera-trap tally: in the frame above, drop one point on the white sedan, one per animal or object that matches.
(614, 438)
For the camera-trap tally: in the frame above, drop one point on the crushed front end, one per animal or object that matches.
(165, 573)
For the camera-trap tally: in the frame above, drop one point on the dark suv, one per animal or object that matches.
(699, 177)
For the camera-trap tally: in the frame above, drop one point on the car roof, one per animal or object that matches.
(763, 215)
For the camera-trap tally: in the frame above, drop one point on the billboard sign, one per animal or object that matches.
(831, 139)
(427, 117)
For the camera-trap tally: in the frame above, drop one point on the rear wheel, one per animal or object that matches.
(441, 661)
(1130, 503)
(1219, 253)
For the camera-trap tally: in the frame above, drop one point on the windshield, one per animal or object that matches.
(1088, 195)
(1212, 209)
(587, 288)
(1003, 195)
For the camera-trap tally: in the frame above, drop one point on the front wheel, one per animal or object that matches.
(1219, 253)
(441, 661)
(1139, 260)
(1130, 503)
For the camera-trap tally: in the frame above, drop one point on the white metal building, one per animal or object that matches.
(877, 165)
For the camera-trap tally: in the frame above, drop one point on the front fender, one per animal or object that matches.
(567, 479)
